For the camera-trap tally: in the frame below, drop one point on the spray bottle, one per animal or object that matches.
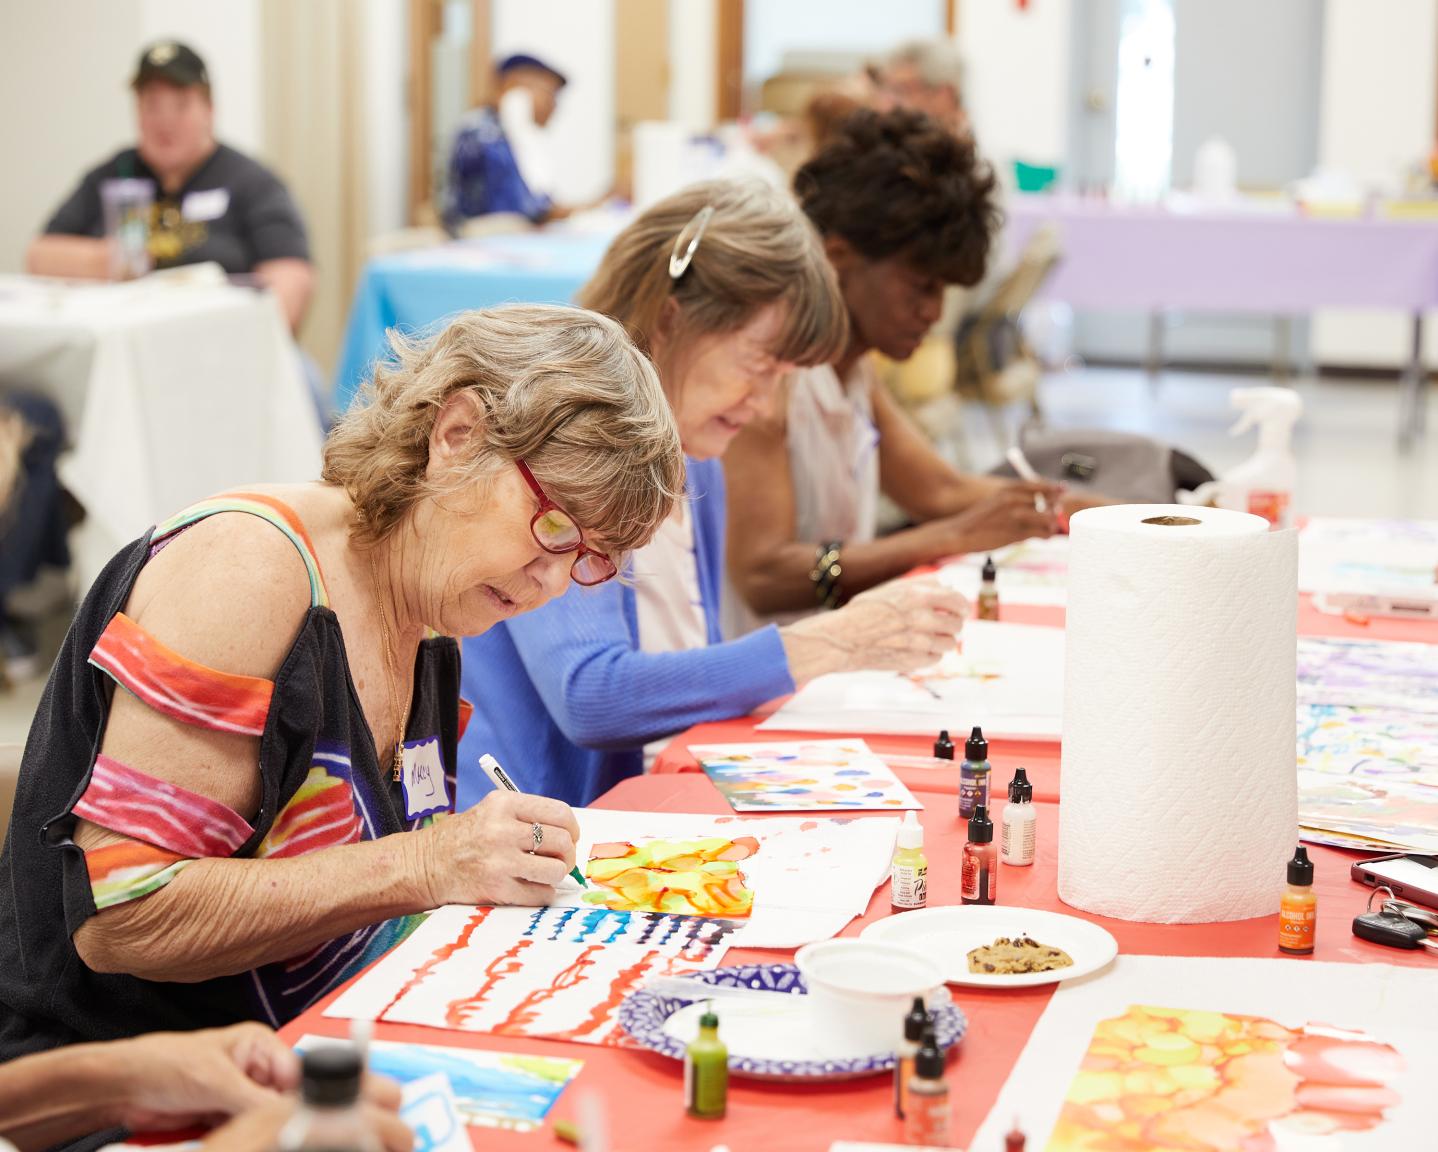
(1263, 484)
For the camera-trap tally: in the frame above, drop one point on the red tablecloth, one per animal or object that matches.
(643, 1091)
(1039, 757)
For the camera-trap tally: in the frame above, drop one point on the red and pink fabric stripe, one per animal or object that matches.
(183, 690)
(146, 808)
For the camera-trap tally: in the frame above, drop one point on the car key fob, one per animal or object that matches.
(1389, 929)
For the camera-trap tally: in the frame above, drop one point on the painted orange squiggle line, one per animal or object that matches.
(439, 957)
(458, 1012)
(527, 1011)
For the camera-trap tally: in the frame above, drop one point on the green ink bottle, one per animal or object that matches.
(706, 1071)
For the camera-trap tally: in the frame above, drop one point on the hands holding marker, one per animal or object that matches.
(500, 779)
(510, 848)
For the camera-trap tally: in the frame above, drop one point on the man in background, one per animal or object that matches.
(211, 202)
(500, 161)
(927, 76)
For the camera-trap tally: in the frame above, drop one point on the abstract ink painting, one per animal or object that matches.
(687, 877)
(547, 972)
(1173, 1078)
(803, 776)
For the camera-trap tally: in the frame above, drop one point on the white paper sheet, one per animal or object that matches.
(1008, 678)
(1391, 1004)
(1031, 572)
(810, 876)
(553, 973)
(1367, 556)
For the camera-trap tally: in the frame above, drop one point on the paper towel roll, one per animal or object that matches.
(1179, 787)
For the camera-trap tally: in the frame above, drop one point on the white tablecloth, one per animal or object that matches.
(171, 390)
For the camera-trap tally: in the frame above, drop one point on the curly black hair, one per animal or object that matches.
(898, 184)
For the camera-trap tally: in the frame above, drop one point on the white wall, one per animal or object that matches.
(577, 37)
(386, 48)
(1017, 78)
(1377, 117)
(865, 27)
(64, 105)
(693, 79)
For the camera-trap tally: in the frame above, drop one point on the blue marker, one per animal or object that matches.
(500, 779)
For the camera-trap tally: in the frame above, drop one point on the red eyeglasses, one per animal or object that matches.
(556, 532)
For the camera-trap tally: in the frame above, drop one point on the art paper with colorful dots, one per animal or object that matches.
(803, 776)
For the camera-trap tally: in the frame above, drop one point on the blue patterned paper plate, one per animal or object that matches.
(644, 1014)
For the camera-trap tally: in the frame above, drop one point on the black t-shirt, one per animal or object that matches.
(232, 210)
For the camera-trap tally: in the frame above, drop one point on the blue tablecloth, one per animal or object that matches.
(413, 290)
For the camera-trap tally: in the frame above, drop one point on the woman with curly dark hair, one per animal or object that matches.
(905, 208)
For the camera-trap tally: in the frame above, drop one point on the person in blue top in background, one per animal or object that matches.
(725, 286)
(487, 167)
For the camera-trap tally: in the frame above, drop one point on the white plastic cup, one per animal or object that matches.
(860, 991)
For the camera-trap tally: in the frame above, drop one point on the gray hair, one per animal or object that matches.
(937, 61)
(563, 388)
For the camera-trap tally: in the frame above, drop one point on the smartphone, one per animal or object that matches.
(1413, 878)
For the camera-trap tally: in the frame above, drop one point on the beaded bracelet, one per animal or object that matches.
(825, 574)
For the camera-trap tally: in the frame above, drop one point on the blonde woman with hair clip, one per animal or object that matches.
(726, 287)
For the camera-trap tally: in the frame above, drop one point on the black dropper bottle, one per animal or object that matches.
(943, 746)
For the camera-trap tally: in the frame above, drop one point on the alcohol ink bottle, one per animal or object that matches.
(981, 873)
(1014, 1138)
(974, 774)
(909, 874)
(1020, 822)
(331, 1114)
(1298, 913)
(926, 1112)
(988, 606)
(706, 1071)
(943, 746)
(914, 1024)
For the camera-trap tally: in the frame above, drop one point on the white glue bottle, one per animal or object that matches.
(1016, 844)
(909, 878)
(1263, 484)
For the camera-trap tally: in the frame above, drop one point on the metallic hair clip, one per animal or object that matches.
(679, 261)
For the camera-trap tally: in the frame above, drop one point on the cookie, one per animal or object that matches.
(1005, 957)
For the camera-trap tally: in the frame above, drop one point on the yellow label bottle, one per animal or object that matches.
(909, 876)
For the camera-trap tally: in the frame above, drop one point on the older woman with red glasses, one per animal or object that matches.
(259, 695)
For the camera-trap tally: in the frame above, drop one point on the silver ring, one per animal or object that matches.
(538, 833)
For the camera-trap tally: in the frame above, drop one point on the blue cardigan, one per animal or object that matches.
(566, 701)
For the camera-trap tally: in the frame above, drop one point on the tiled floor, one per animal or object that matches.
(1348, 463)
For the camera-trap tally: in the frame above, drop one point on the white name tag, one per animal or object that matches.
(210, 204)
(422, 777)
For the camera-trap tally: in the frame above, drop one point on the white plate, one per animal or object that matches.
(948, 934)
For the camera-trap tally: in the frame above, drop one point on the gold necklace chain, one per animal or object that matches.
(390, 674)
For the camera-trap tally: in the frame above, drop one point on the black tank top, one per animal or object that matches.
(321, 786)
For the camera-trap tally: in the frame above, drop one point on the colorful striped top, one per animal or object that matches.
(321, 786)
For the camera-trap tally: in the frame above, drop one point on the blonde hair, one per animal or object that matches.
(757, 249)
(562, 388)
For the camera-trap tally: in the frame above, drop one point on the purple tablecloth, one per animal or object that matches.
(1150, 259)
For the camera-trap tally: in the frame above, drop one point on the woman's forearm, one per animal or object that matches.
(220, 917)
(56, 1096)
(780, 582)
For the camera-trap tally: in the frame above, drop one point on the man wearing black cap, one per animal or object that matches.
(495, 165)
(211, 202)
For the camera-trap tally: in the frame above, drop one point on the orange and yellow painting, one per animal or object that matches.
(1176, 1080)
(687, 877)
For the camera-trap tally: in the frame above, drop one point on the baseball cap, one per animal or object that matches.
(524, 60)
(173, 62)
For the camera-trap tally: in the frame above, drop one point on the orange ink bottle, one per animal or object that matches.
(1298, 913)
